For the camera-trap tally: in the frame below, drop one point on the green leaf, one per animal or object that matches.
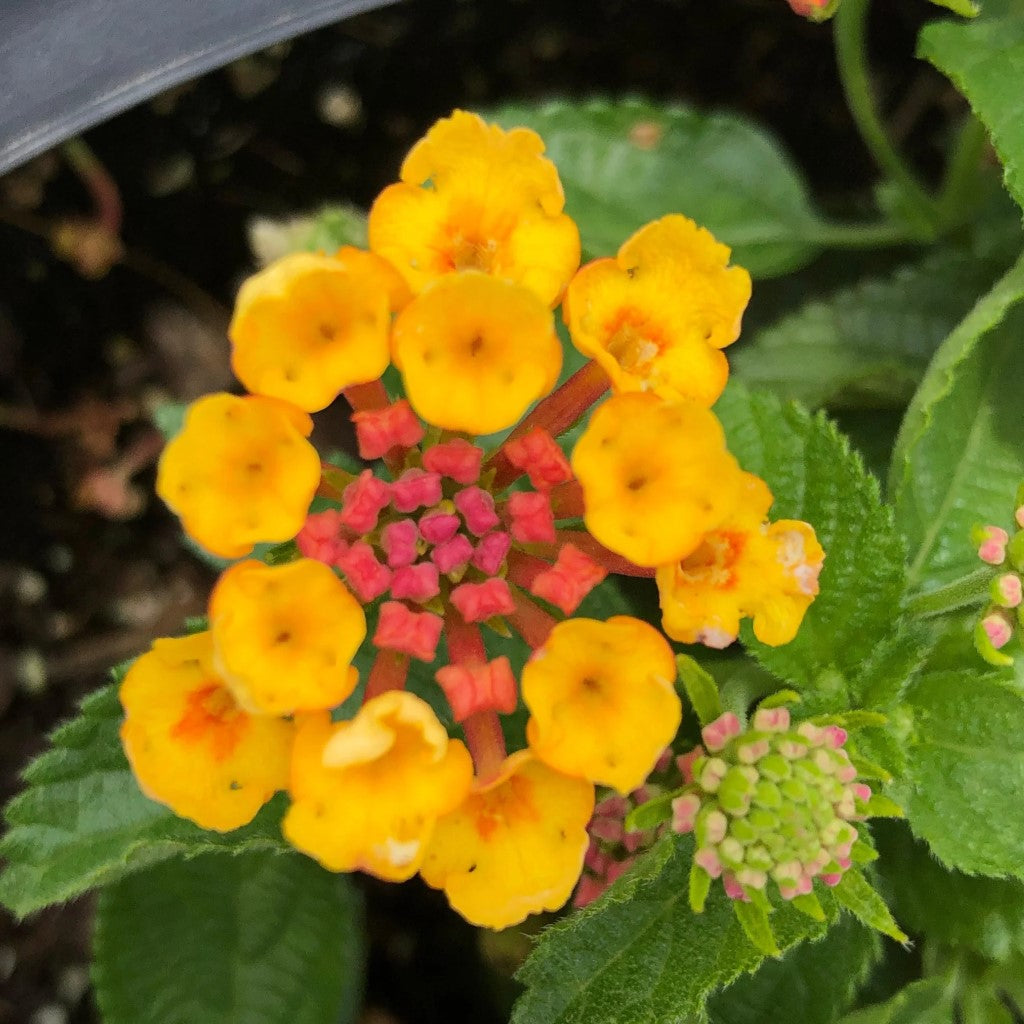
(701, 689)
(857, 894)
(921, 1002)
(325, 231)
(983, 58)
(966, 8)
(966, 771)
(258, 939)
(960, 452)
(817, 478)
(754, 921)
(811, 984)
(83, 822)
(984, 915)
(626, 163)
(638, 955)
(866, 345)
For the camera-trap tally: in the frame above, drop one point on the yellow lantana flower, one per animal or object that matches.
(240, 472)
(602, 700)
(515, 846)
(656, 317)
(366, 793)
(745, 567)
(475, 352)
(656, 476)
(309, 326)
(191, 746)
(285, 635)
(475, 197)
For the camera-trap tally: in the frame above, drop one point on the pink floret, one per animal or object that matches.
(472, 688)
(418, 583)
(458, 459)
(477, 508)
(399, 542)
(380, 430)
(413, 633)
(436, 527)
(452, 555)
(478, 602)
(569, 580)
(320, 537)
(537, 454)
(416, 488)
(367, 577)
(533, 521)
(363, 501)
(491, 551)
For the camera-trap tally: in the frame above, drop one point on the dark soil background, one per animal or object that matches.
(91, 565)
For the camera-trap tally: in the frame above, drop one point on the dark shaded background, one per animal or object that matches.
(91, 566)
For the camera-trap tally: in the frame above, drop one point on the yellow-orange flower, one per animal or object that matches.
(515, 846)
(285, 635)
(191, 746)
(745, 567)
(656, 317)
(366, 793)
(309, 326)
(475, 197)
(602, 700)
(475, 352)
(656, 476)
(240, 472)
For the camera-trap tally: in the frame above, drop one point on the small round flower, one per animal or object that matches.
(656, 317)
(515, 846)
(474, 197)
(745, 567)
(475, 352)
(656, 476)
(191, 746)
(285, 635)
(309, 326)
(602, 701)
(366, 793)
(240, 472)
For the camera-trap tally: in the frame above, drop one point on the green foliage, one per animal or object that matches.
(856, 894)
(816, 477)
(960, 451)
(258, 939)
(966, 771)
(983, 915)
(866, 345)
(638, 955)
(83, 822)
(812, 984)
(922, 1002)
(701, 689)
(983, 59)
(623, 164)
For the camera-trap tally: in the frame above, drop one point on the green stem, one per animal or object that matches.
(851, 56)
(969, 590)
(871, 235)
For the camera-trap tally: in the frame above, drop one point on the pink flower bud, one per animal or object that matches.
(539, 456)
(414, 633)
(417, 583)
(367, 577)
(437, 526)
(608, 829)
(363, 501)
(991, 541)
(684, 812)
(399, 542)
(415, 489)
(569, 580)
(472, 688)
(452, 555)
(478, 602)
(707, 859)
(320, 537)
(491, 551)
(457, 459)
(380, 430)
(477, 508)
(717, 734)
(771, 719)
(998, 629)
(1007, 590)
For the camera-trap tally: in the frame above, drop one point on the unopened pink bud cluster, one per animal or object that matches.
(1005, 609)
(773, 802)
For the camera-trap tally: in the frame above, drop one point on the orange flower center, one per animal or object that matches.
(211, 714)
(632, 342)
(507, 806)
(713, 562)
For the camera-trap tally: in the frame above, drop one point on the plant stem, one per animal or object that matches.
(851, 57)
(959, 191)
(968, 590)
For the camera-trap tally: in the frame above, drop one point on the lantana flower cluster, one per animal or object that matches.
(444, 540)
